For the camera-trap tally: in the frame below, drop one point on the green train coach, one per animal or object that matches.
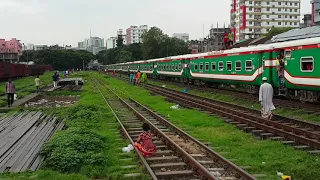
(243, 67)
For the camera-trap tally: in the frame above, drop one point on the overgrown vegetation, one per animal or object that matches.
(263, 156)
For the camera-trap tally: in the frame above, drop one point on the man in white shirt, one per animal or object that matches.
(265, 98)
(37, 81)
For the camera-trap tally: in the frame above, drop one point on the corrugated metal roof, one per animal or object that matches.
(295, 34)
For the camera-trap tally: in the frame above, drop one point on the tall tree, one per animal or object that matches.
(153, 41)
(119, 41)
(123, 56)
(278, 30)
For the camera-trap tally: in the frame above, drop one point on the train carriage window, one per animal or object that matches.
(220, 66)
(287, 53)
(306, 64)
(213, 66)
(238, 66)
(176, 67)
(196, 67)
(207, 66)
(249, 65)
(179, 67)
(229, 66)
(167, 67)
(201, 67)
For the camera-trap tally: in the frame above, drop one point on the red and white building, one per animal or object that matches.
(134, 34)
(11, 50)
(252, 18)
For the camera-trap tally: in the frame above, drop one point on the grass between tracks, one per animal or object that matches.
(264, 156)
(287, 112)
(90, 146)
(25, 86)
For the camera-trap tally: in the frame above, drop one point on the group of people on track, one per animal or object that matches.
(137, 77)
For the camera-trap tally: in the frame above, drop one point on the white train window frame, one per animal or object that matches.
(201, 66)
(220, 66)
(249, 68)
(195, 66)
(238, 68)
(215, 66)
(206, 66)
(311, 59)
(229, 63)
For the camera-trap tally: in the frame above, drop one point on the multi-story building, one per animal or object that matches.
(40, 47)
(123, 36)
(182, 36)
(27, 47)
(134, 34)
(10, 50)
(93, 44)
(307, 21)
(111, 42)
(252, 18)
(315, 12)
(216, 40)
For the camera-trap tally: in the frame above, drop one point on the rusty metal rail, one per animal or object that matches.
(165, 131)
(308, 134)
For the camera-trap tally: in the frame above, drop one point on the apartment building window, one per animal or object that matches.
(250, 16)
(290, 17)
(290, 4)
(285, 23)
(296, 4)
(285, 16)
(279, 16)
(268, 16)
(290, 23)
(268, 9)
(290, 10)
(268, 23)
(279, 3)
(295, 23)
(250, 2)
(250, 8)
(250, 29)
(279, 23)
(268, 3)
(279, 9)
(250, 22)
(286, 3)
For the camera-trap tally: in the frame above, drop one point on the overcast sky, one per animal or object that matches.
(69, 21)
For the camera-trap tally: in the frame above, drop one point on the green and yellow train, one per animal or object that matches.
(243, 67)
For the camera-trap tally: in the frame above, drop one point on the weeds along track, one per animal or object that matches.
(302, 135)
(312, 108)
(178, 156)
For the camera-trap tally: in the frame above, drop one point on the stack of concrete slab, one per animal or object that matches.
(71, 81)
(21, 138)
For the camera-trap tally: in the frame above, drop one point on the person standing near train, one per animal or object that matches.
(10, 91)
(265, 98)
(55, 78)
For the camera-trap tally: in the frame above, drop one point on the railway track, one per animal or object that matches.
(179, 156)
(302, 135)
(312, 108)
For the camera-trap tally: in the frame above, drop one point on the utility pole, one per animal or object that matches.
(83, 65)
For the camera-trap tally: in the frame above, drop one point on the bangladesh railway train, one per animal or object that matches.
(15, 70)
(242, 67)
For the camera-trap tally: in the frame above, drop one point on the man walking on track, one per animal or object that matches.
(10, 90)
(37, 81)
(265, 98)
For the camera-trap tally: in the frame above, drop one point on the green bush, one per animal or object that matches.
(74, 148)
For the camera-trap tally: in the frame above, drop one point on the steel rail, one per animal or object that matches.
(142, 159)
(262, 123)
(210, 152)
(193, 162)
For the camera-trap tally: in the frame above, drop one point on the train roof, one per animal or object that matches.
(261, 47)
